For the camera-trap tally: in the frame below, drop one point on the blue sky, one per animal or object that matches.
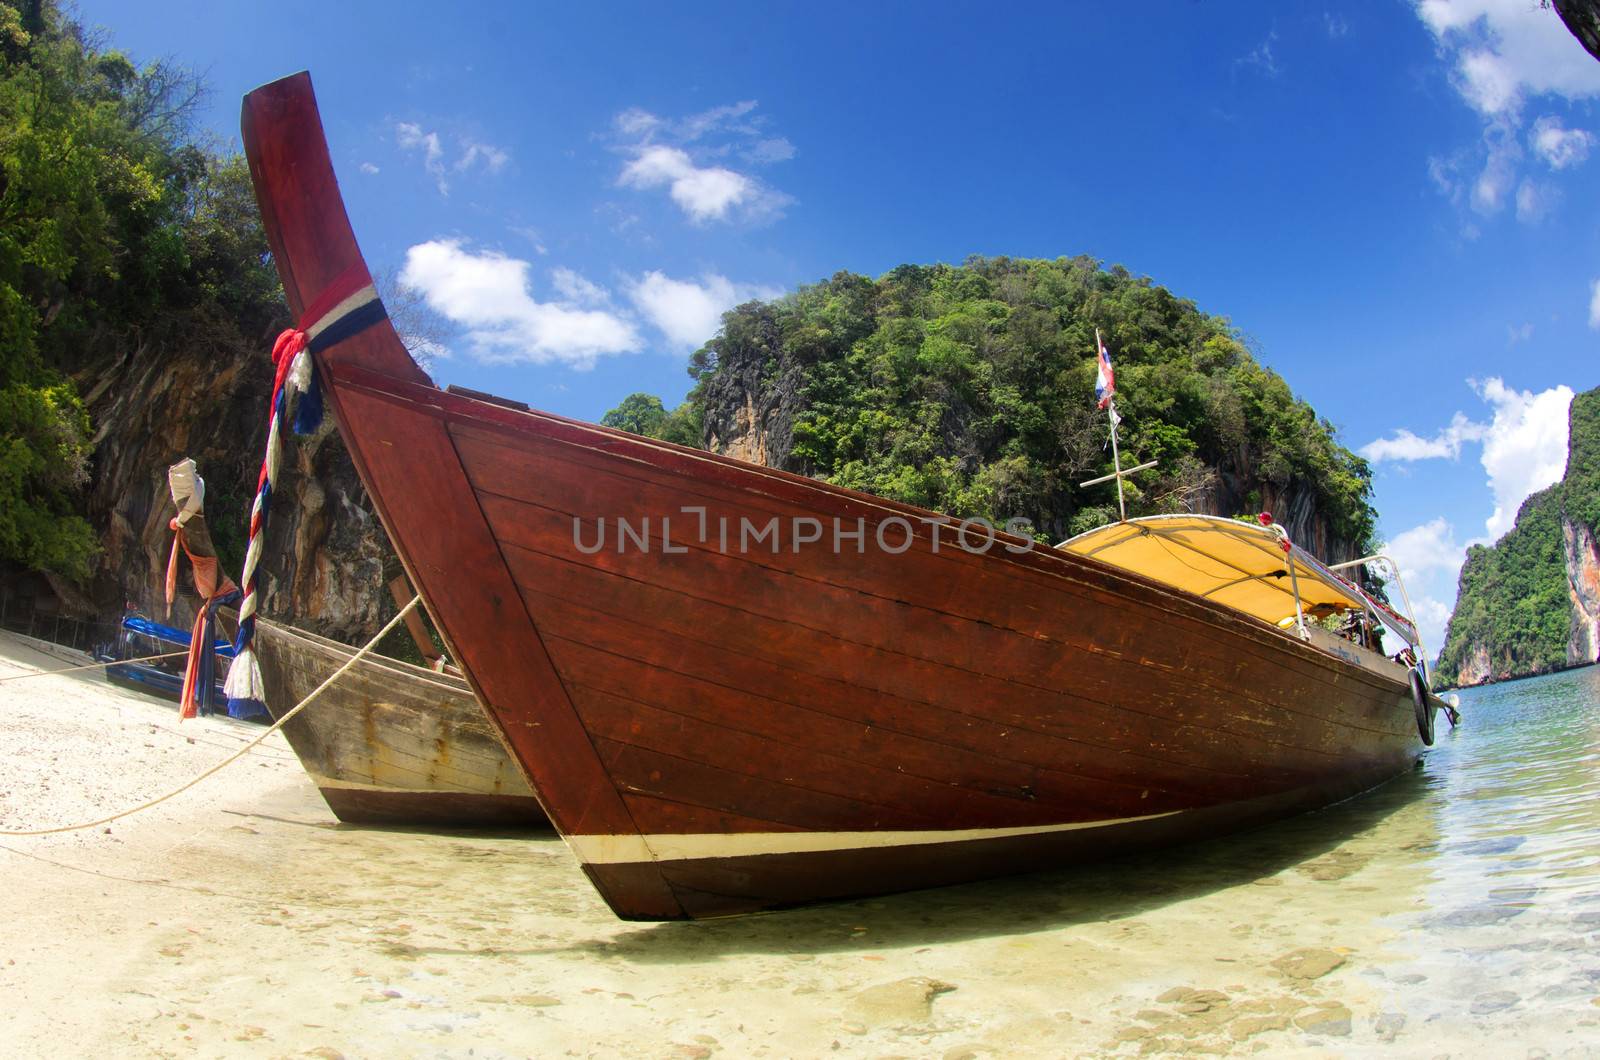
(1396, 202)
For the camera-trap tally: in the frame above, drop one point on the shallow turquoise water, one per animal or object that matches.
(1507, 939)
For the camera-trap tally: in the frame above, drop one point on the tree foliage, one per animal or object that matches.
(645, 414)
(115, 229)
(1512, 598)
(639, 413)
(969, 390)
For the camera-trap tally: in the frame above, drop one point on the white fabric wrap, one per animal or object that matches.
(188, 489)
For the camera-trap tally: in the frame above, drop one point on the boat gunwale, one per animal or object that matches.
(327, 646)
(458, 409)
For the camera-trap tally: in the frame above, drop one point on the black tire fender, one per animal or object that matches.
(1424, 706)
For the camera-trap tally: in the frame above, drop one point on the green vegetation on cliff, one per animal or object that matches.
(969, 390)
(1514, 614)
(1513, 597)
(117, 232)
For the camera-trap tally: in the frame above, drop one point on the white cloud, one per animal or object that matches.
(487, 293)
(1446, 176)
(732, 118)
(1406, 446)
(1559, 146)
(1502, 153)
(1516, 333)
(473, 152)
(1262, 58)
(1430, 558)
(1535, 200)
(687, 158)
(368, 168)
(705, 194)
(410, 136)
(1524, 445)
(635, 122)
(1335, 24)
(688, 312)
(717, 119)
(768, 152)
(1594, 306)
(1427, 548)
(576, 289)
(1504, 51)
(531, 234)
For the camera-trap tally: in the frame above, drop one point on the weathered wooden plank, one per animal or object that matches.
(391, 741)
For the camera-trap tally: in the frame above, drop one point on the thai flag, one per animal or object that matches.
(1105, 380)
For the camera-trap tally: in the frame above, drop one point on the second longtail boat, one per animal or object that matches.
(392, 743)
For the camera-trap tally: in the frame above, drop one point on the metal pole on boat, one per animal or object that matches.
(1299, 611)
(1116, 459)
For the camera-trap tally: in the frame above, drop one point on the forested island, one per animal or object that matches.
(1530, 603)
(969, 389)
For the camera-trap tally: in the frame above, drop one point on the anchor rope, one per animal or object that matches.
(242, 751)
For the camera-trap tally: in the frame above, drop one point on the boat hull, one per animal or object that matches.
(392, 743)
(846, 867)
(866, 704)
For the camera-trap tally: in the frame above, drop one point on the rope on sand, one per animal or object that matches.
(93, 665)
(240, 753)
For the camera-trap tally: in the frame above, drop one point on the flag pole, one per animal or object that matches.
(1116, 461)
(1116, 458)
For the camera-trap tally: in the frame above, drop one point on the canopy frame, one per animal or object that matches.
(1268, 539)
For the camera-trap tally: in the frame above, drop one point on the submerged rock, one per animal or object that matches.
(904, 1001)
(1309, 963)
(1495, 1001)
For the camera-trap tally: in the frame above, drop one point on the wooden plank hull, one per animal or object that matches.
(392, 743)
(860, 703)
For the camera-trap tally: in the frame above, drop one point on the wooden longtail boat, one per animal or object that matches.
(392, 743)
(763, 689)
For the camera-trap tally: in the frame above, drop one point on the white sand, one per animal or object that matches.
(241, 919)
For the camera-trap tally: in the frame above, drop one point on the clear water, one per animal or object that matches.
(1508, 934)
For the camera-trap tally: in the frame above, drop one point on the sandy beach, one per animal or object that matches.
(240, 918)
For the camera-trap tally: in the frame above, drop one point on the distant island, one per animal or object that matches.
(1530, 603)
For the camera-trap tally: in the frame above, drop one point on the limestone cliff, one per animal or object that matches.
(1583, 583)
(1530, 604)
(325, 552)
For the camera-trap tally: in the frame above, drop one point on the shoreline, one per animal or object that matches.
(240, 917)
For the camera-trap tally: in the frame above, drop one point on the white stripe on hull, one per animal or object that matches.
(623, 849)
(349, 305)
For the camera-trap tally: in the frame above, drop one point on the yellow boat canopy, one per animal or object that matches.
(1245, 566)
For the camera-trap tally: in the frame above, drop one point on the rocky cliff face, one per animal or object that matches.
(1293, 504)
(1476, 669)
(325, 552)
(1583, 584)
